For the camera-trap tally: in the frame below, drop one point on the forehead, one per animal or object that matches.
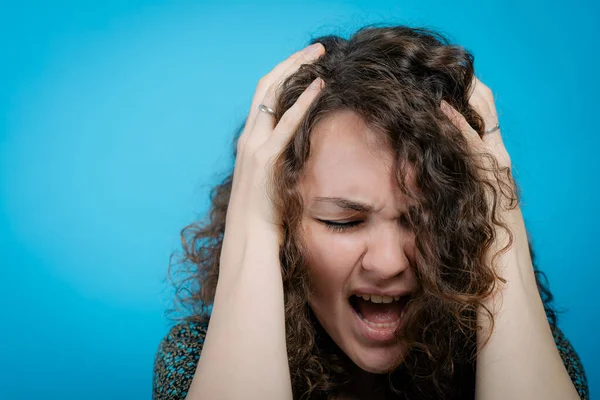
(350, 159)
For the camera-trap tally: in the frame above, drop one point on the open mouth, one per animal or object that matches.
(379, 312)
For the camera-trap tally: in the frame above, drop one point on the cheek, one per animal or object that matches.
(333, 257)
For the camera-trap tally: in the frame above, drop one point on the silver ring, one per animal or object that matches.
(494, 129)
(266, 109)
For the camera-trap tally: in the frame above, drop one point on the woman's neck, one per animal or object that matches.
(365, 385)
(361, 384)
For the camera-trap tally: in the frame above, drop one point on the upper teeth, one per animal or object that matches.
(379, 299)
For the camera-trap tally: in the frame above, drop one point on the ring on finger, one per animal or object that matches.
(494, 129)
(266, 109)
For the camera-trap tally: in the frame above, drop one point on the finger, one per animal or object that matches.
(265, 90)
(289, 122)
(461, 123)
(481, 104)
(264, 122)
(482, 100)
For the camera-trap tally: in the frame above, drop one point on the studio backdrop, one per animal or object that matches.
(116, 118)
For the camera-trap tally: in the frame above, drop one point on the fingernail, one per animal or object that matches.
(316, 84)
(313, 48)
(444, 106)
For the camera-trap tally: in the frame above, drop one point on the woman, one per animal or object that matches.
(369, 243)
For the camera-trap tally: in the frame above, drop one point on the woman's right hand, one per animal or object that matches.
(261, 142)
(244, 353)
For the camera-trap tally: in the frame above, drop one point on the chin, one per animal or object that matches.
(377, 361)
(376, 369)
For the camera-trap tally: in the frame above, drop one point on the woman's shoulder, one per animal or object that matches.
(176, 359)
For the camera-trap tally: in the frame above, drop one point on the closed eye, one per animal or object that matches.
(339, 226)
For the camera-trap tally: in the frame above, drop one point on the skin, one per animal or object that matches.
(347, 162)
(249, 295)
(512, 364)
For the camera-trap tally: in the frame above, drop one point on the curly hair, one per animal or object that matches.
(394, 78)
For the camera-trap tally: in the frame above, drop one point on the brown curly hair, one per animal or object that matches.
(394, 78)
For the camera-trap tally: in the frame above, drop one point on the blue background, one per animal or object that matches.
(116, 118)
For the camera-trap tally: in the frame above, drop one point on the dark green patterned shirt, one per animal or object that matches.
(179, 352)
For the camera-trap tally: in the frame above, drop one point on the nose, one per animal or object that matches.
(386, 254)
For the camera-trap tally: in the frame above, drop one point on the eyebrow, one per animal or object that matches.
(346, 204)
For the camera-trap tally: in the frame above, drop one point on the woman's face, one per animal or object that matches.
(360, 269)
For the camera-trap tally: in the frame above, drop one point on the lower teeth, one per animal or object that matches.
(379, 325)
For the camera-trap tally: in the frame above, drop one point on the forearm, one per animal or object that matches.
(244, 354)
(520, 360)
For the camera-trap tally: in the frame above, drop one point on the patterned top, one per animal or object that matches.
(179, 352)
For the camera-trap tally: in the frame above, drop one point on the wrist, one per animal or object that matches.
(252, 237)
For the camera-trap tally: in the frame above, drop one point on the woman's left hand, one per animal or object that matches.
(516, 305)
(482, 100)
